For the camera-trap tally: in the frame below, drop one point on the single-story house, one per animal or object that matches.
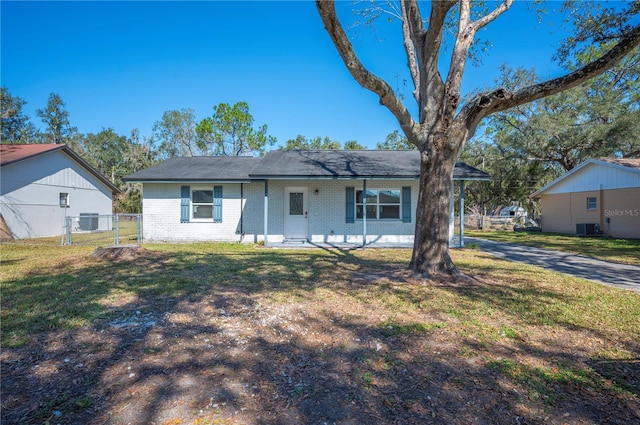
(600, 196)
(323, 196)
(42, 184)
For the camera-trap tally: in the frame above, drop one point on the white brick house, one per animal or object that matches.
(315, 196)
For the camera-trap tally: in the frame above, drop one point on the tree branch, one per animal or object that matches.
(362, 75)
(633, 154)
(466, 33)
(412, 38)
(433, 35)
(429, 50)
(487, 19)
(500, 99)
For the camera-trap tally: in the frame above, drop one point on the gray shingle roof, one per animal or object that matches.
(350, 164)
(197, 168)
(302, 164)
(464, 171)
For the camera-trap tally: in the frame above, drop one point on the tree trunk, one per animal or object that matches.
(431, 242)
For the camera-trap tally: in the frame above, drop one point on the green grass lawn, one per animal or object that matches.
(47, 287)
(544, 335)
(621, 250)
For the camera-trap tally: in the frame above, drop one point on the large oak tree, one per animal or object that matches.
(444, 124)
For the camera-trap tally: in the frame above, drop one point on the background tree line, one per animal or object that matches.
(230, 130)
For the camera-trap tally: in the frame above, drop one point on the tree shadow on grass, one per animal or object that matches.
(583, 368)
(266, 337)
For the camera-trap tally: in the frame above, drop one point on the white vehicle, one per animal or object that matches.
(513, 212)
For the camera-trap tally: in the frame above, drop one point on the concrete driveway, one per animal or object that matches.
(621, 276)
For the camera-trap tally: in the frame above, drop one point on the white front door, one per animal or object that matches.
(296, 223)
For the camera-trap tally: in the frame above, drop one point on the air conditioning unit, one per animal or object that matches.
(88, 221)
(587, 229)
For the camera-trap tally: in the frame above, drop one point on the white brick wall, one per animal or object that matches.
(161, 210)
(326, 219)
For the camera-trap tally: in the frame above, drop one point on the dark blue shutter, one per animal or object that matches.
(406, 204)
(217, 204)
(184, 204)
(350, 205)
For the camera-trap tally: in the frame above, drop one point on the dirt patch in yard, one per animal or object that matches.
(121, 253)
(364, 346)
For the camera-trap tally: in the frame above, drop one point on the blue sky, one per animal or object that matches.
(122, 64)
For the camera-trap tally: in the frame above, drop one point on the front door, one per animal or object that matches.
(296, 224)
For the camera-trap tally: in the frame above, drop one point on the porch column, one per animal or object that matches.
(364, 213)
(266, 212)
(461, 213)
(452, 215)
(241, 211)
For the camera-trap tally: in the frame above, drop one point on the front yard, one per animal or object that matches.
(232, 334)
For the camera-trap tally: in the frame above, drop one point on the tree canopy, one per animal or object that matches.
(175, 133)
(317, 143)
(594, 119)
(56, 119)
(230, 131)
(396, 141)
(16, 126)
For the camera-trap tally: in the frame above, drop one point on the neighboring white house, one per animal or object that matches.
(41, 184)
(328, 196)
(598, 196)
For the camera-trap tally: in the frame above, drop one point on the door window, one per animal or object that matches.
(296, 206)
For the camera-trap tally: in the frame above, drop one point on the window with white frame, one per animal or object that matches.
(381, 204)
(202, 204)
(64, 200)
(592, 203)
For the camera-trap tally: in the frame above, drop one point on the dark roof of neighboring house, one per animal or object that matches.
(12, 153)
(351, 164)
(303, 164)
(197, 168)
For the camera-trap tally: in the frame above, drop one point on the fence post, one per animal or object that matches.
(67, 225)
(139, 229)
(116, 229)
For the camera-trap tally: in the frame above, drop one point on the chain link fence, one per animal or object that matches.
(95, 229)
(493, 222)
